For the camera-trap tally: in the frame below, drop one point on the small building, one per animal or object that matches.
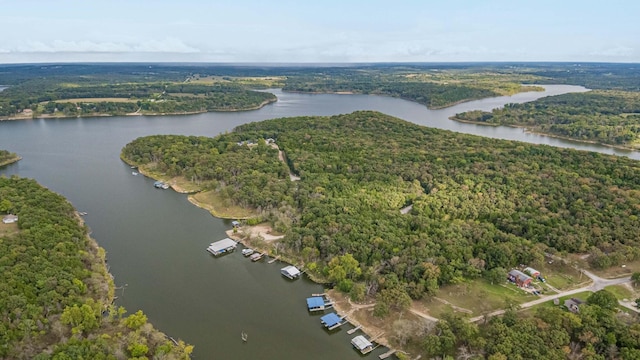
(532, 272)
(362, 344)
(222, 247)
(10, 219)
(290, 272)
(519, 278)
(318, 303)
(331, 321)
(573, 305)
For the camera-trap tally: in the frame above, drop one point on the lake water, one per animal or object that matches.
(156, 240)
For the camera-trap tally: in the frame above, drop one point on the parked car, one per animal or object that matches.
(541, 279)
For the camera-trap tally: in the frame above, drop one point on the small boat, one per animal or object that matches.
(134, 173)
(244, 336)
(247, 251)
(256, 256)
(165, 186)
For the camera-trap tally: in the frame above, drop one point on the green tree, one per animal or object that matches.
(604, 299)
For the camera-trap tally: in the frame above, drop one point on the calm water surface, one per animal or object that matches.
(156, 240)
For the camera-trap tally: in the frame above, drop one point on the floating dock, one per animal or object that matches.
(256, 256)
(332, 321)
(222, 247)
(354, 329)
(387, 354)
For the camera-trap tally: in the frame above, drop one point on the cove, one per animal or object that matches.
(156, 240)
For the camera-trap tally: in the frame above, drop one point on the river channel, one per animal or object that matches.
(156, 240)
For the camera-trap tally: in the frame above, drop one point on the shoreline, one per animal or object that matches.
(10, 161)
(531, 131)
(52, 116)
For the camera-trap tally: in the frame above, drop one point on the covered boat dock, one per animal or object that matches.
(318, 303)
(331, 321)
(222, 247)
(362, 344)
(290, 272)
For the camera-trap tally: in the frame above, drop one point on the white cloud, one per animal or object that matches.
(167, 45)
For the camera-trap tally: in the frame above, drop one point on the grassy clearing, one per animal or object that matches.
(8, 229)
(621, 292)
(549, 304)
(561, 275)
(478, 296)
(182, 185)
(618, 271)
(93, 100)
(220, 207)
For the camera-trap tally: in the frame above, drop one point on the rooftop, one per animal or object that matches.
(330, 320)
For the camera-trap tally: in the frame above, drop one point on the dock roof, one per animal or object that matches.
(361, 342)
(315, 302)
(221, 245)
(291, 270)
(330, 320)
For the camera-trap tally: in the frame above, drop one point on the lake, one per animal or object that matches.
(156, 240)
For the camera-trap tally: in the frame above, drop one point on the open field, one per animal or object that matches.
(478, 296)
(622, 292)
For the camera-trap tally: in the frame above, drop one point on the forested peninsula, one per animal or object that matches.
(7, 157)
(477, 204)
(388, 209)
(609, 117)
(57, 296)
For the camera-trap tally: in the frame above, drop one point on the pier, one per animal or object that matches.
(387, 354)
(354, 329)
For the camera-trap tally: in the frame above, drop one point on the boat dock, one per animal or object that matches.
(332, 321)
(354, 329)
(256, 256)
(222, 247)
(318, 303)
(273, 260)
(387, 354)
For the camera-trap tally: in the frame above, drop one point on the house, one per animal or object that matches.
(519, 278)
(10, 219)
(290, 272)
(362, 344)
(532, 272)
(221, 247)
(573, 305)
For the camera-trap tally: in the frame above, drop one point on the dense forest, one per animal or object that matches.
(477, 204)
(57, 296)
(607, 117)
(7, 157)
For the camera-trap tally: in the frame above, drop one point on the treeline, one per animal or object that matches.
(607, 117)
(479, 205)
(598, 331)
(118, 99)
(250, 174)
(57, 296)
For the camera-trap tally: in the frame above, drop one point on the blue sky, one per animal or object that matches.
(319, 31)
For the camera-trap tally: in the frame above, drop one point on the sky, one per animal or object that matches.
(325, 31)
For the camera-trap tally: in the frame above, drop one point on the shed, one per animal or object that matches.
(331, 321)
(532, 272)
(362, 344)
(519, 278)
(290, 271)
(222, 246)
(573, 305)
(9, 219)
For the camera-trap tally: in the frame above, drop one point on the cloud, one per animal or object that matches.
(167, 45)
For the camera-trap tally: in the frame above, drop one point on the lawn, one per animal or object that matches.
(561, 275)
(621, 292)
(478, 296)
